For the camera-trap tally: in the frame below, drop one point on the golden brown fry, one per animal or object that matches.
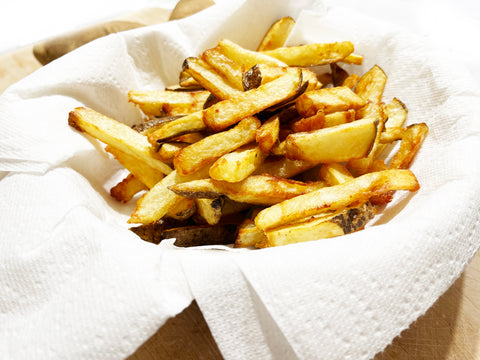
(411, 141)
(328, 100)
(225, 66)
(244, 57)
(258, 189)
(117, 135)
(320, 227)
(267, 134)
(164, 102)
(237, 165)
(351, 193)
(334, 144)
(354, 59)
(371, 85)
(126, 189)
(146, 174)
(351, 80)
(277, 34)
(171, 129)
(228, 112)
(312, 54)
(206, 151)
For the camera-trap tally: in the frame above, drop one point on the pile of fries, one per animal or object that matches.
(261, 148)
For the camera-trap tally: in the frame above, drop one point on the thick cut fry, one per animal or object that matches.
(170, 103)
(277, 34)
(238, 164)
(258, 190)
(351, 193)
(206, 151)
(340, 223)
(228, 112)
(261, 74)
(166, 151)
(244, 57)
(117, 135)
(146, 174)
(183, 125)
(371, 85)
(267, 134)
(156, 203)
(312, 54)
(126, 189)
(226, 67)
(328, 100)
(396, 112)
(334, 144)
(153, 124)
(209, 78)
(210, 209)
(411, 141)
(335, 174)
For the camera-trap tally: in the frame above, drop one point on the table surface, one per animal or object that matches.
(449, 330)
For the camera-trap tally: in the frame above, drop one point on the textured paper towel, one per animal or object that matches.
(76, 283)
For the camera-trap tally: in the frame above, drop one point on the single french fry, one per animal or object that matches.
(267, 134)
(171, 129)
(328, 100)
(166, 151)
(412, 139)
(237, 165)
(354, 59)
(331, 198)
(247, 233)
(209, 78)
(126, 189)
(244, 57)
(206, 151)
(143, 172)
(277, 34)
(324, 226)
(228, 112)
(396, 112)
(351, 80)
(334, 144)
(170, 103)
(117, 135)
(225, 66)
(312, 54)
(258, 190)
(372, 84)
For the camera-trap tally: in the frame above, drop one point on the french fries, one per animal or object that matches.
(256, 148)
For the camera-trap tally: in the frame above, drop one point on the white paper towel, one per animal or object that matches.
(75, 283)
